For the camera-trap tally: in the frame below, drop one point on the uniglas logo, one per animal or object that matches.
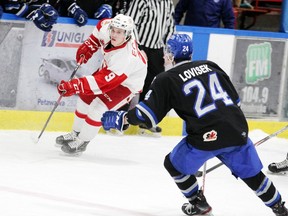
(62, 39)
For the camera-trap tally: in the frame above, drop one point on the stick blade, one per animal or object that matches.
(35, 138)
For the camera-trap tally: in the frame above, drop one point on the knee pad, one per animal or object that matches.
(169, 166)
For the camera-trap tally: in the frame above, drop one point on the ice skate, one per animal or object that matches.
(279, 168)
(152, 132)
(66, 138)
(199, 206)
(75, 148)
(279, 209)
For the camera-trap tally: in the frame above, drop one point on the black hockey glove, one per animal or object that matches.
(44, 17)
(114, 119)
(79, 15)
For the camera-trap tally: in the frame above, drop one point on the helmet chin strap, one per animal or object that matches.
(128, 38)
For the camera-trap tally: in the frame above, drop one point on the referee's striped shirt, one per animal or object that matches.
(154, 21)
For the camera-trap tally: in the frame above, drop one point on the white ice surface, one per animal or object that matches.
(117, 176)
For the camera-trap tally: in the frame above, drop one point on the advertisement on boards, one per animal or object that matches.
(48, 58)
(257, 75)
(11, 35)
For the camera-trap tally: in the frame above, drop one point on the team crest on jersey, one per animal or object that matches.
(210, 136)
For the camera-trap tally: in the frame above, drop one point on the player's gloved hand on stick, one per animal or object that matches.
(78, 14)
(44, 17)
(81, 59)
(87, 49)
(69, 88)
(104, 11)
(114, 120)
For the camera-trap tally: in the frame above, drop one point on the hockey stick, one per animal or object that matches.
(204, 176)
(200, 173)
(59, 99)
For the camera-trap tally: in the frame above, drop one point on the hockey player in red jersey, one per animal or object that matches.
(113, 85)
(202, 95)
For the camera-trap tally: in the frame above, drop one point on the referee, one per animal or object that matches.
(154, 24)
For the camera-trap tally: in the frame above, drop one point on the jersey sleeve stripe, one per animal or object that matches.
(93, 85)
(148, 112)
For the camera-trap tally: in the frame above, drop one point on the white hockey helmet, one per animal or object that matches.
(124, 22)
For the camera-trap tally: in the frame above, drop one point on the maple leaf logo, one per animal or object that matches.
(210, 136)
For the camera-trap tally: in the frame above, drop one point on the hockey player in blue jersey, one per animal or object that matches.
(202, 95)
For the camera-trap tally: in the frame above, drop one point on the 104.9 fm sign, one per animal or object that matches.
(257, 75)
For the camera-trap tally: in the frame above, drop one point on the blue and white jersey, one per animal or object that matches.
(202, 94)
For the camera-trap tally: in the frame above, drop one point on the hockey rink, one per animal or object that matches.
(117, 176)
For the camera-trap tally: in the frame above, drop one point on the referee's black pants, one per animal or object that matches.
(155, 66)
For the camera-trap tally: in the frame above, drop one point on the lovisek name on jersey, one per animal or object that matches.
(194, 71)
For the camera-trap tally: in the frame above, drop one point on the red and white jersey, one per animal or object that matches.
(123, 65)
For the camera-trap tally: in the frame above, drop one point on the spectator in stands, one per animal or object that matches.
(97, 9)
(100, 9)
(1, 11)
(70, 8)
(236, 3)
(155, 24)
(246, 4)
(209, 13)
(120, 6)
(104, 11)
(45, 15)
